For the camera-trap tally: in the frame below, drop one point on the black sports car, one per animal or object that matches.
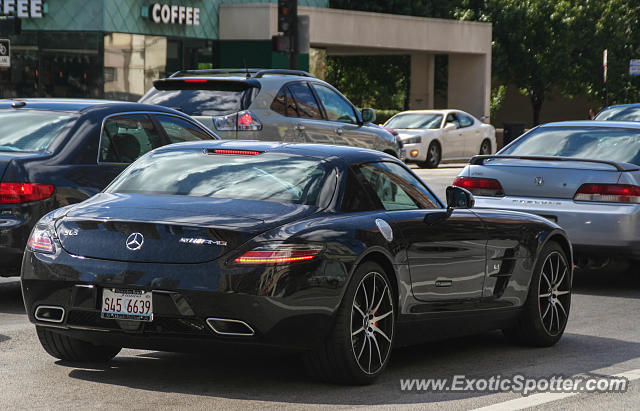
(56, 152)
(337, 252)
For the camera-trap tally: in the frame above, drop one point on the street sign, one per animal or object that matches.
(5, 53)
(634, 67)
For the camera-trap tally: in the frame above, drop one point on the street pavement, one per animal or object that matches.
(602, 338)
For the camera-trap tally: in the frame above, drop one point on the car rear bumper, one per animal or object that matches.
(298, 314)
(604, 228)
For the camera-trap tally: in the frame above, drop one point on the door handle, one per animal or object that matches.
(299, 127)
(339, 131)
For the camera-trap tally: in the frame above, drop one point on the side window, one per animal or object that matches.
(179, 130)
(396, 188)
(306, 102)
(279, 104)
(452, 118)
(356, 198)
(465, 121)
(127, 137)
(337, 108)
(291, 110)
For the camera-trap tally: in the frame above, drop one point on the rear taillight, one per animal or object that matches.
(279, 254)
(16, 193)
(241, 121)
(480, 186)
(608, 193)
(235, 152)
(41, 241)
(195, 80)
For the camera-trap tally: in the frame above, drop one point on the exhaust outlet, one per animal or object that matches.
(50, 313)
(225, 326)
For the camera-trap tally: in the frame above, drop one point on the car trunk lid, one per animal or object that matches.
(167, 229)
(545, 177)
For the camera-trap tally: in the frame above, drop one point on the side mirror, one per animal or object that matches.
(368, 115)
(450, 126)
(458, 197)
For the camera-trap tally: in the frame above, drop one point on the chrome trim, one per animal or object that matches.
(125, 113)
(55, 307)
(230, 321)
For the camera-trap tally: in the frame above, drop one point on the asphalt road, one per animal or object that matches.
(602, 338)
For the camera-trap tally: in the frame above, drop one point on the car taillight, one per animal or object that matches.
(241, 121)
(279, 254)
(16, 193)
(41, 241)
(236, 152)
(480, 186)
(608, 193)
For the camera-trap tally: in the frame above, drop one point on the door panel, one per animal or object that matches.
(447, 260)
(453, 139)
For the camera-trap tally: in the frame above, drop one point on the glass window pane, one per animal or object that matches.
(31, 130)
(268, 176)
(306, 102)
(396, 188)
(465, 121)
(125, 138)
(179, 130)
(337, 108)
(279, 104)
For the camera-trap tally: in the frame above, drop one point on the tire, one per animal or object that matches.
(546, 311)
(434, 155)
(485, 147)
(357, 350)
(74, 350)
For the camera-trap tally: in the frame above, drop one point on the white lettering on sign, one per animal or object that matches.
(166, 14)
(22, 9)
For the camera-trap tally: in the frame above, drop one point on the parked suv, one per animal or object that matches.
(271, 105)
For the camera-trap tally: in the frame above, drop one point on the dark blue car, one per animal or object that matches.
(59, 152)
(620, 112)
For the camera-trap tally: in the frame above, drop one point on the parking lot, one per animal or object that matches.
(601, 339)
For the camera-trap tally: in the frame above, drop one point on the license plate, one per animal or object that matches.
(125, 304)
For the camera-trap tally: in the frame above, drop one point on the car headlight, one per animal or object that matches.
(412, 140)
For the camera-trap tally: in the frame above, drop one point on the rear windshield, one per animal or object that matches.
(200, 102)
(612, 144)
(266, 176)
(415, 121)
(31, 130)
(629, 113)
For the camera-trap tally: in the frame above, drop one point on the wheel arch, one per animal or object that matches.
(563, 241)
(382, 257)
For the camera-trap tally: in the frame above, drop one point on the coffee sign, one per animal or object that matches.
(22, 9)
(172, 14)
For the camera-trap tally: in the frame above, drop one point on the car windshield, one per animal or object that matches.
(31, 130)
(612, 144)
(267, 176)
(415, 120)
(198, 102)
(624, 113)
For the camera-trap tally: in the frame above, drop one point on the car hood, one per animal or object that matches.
(168, 229)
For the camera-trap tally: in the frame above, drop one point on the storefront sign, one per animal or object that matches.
(22, 9)
(5, 53)
(166, 14)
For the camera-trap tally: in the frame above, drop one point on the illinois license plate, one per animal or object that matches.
(126, 304)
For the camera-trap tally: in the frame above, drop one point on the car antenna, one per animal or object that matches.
(244, 61)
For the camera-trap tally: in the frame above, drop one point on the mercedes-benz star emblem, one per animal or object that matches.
(135, 241)
(538, 181)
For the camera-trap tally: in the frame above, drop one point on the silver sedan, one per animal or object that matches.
(584, 175)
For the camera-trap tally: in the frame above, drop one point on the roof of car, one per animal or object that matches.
(622, 105)
(594, 123)
(77, 105)
(347, 153)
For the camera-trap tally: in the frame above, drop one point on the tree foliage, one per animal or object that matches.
(539, 46)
